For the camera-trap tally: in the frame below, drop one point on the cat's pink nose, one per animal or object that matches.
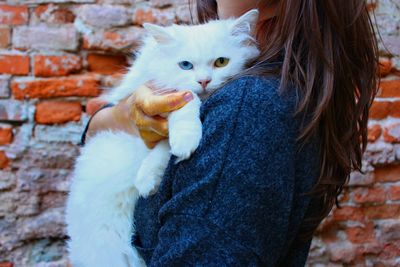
(204, 83)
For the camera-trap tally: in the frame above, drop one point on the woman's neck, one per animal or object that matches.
(229, 8)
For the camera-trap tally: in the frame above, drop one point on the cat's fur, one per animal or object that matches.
(115, 168)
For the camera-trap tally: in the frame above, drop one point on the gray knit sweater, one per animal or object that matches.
(239, 200)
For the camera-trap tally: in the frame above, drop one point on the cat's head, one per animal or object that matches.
(201, 57)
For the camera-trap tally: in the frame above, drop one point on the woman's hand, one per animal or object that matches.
(141, 114)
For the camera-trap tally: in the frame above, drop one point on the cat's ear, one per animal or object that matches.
(159, 33)
(246, 23)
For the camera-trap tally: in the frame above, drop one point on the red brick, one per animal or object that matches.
(6, 264)
(6, 136)
(5, 34)
(51, 112)
(394, 193)
(46, 66)
(124, 39)
(390, 173)
(93, 105)
(385, 67)
(390, 251)
(3, 160)
(369, 195)
(106, 64)
(77, 85)
(391, 133)
(346, 213)
(379, 110)
(344, 196)
(361, 234)
(395, 109)
(14, 64)
(53, 14)
(374, 132)
(388, 211)
(153, 15)
(389, 88)
(13, 15)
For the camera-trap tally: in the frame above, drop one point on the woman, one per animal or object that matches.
(278, 144)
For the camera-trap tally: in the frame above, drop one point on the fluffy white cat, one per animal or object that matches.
(115, 168)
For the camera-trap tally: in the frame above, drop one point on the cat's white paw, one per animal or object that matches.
(148, 179)
(184, 144)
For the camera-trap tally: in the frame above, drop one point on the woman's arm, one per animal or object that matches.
(231, 202)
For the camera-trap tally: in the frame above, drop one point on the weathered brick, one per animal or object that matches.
(12, 110)
(183, 14)
(44, 37)
(4, 161)
(382, 211)
(357, 179)
(395, 109)
(110, 81)
(162, 3)
(394, 192)
(389, 88)
(94, 104)
(390, 230)
(391, 133)
(51, 1)
(53, 14)
(66, 133)
(48, 65)
(6, 136)
(385, 67)
(361, 234)
(389, 173)
(115, 1)
(154, 15)
(76, 85)
(124, 39)
(52, 112)
(13, 15)
(14, 64)
(374, 132)
(104, 16)
(106, 64)
(380, 110)
(339, 252)
(389, 251)
(346, 213)
(369, 195)
(5, 34)
(4, 86)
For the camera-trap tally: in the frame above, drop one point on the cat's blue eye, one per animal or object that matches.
(185, 65)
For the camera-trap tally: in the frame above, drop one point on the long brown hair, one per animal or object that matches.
(331, 56)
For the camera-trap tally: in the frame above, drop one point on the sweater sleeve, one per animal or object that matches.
(231, 202)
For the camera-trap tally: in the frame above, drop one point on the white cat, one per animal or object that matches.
(115, 168)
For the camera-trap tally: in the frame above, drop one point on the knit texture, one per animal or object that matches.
(239, 200)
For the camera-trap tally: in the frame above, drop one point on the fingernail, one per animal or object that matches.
(188, 97)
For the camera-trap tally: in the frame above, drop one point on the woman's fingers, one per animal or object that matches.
(155, 104)
(150, 138)
(157, 124)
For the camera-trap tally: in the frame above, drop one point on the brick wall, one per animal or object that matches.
(54, 57)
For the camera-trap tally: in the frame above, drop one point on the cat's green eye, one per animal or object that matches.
(221, 62)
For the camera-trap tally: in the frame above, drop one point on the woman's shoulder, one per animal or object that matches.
(254, 92)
